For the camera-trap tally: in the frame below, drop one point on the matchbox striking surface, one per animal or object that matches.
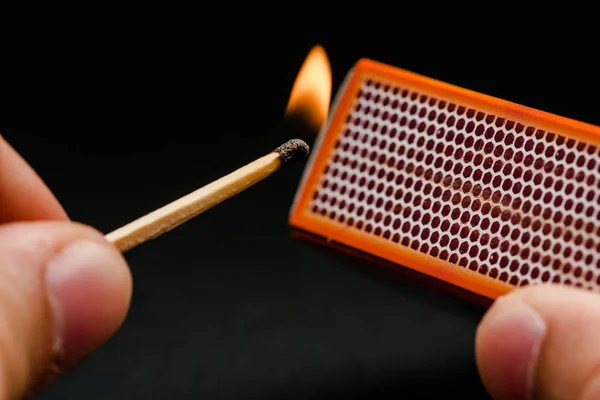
(482, 193)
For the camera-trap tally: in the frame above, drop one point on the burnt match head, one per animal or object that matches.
(292, 150)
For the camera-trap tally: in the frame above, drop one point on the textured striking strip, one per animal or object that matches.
(500, 197)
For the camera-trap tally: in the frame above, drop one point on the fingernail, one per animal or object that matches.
(511, 337)
(88, 288)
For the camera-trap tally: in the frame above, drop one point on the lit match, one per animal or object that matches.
(307, 106)
(183, 209)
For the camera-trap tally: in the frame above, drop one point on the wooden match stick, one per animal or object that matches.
(183, 209)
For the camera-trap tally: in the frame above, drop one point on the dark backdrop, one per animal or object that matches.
(229, 305)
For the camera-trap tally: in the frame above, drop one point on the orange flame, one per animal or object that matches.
(311, 92)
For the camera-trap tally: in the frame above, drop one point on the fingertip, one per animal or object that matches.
(90, 288)
(507, 346)
(64, 291)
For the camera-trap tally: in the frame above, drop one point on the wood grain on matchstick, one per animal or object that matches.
(181, 210)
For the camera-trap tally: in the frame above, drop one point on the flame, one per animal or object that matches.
(311, 92)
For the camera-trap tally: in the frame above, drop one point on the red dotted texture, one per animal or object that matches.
(497, 196)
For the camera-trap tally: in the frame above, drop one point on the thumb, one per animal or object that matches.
(541, 342)
(64, 291)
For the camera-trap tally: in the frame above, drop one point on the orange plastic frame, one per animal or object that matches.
(301, 216)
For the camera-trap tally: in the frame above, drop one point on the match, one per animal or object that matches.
(185, 208)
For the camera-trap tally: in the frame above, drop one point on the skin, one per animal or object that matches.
(51, 317)
(60, 301)
(541, 342)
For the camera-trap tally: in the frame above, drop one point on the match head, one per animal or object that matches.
(292, 150)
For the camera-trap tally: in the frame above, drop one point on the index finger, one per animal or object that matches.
(23, 194)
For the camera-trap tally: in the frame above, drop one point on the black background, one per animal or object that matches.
(229, 305)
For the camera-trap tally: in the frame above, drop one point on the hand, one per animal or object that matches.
(541, 342)
(64, 290)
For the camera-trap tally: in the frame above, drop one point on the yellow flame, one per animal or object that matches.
(311, 92)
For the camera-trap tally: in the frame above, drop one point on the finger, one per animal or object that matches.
(541, 342)
(23, 194)
(64, 291)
